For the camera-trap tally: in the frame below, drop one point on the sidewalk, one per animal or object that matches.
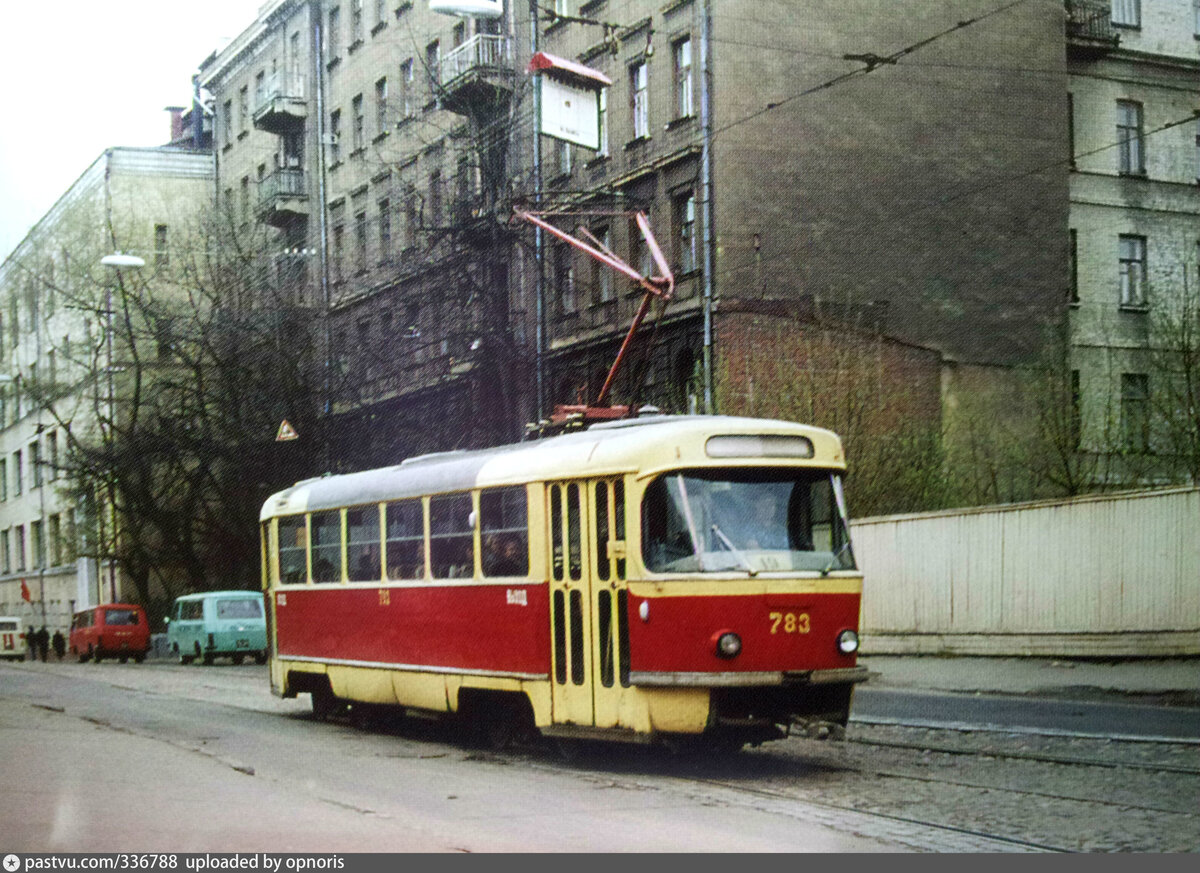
(1175, 678)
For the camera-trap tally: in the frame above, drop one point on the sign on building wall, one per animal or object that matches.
(570, 99)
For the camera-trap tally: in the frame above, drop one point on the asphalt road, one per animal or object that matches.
(161, 758)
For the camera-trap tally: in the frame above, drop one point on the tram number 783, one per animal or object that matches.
(789, 622)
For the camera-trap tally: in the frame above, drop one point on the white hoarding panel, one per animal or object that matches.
(571, 112)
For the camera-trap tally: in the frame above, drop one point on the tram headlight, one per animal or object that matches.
(847, 642)
(729, 644)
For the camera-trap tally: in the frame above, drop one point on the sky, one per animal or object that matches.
(80, 76)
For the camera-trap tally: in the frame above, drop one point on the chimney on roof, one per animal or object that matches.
(176, 122)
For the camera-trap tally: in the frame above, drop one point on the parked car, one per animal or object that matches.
(218, 624)
(12, 639)
(111, 630)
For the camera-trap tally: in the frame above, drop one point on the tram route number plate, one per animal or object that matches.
(789, 622)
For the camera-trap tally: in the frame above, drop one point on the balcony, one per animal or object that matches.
(1090, 33)
(282, 108)
(283, 198)
(476, 75)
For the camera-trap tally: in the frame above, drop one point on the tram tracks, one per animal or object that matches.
(1041, 757)
(936, 795)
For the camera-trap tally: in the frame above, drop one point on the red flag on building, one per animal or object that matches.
(25, 592)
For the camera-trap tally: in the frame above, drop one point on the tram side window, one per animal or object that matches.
(504, 528)
(362, 544)
(405, 540)
(327, 546)
(293, 550)
(451, 536)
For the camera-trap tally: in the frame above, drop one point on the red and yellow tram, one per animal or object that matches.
(661, 577)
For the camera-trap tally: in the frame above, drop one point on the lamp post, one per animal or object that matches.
(117, 262)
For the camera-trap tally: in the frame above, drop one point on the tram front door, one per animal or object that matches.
(588, 601)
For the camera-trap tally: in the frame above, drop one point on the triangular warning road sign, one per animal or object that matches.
(286, 432)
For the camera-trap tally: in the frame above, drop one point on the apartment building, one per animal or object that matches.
(58, 374)
(1134, 222)
(897, 170)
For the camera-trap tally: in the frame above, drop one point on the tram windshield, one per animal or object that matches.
(760, 520)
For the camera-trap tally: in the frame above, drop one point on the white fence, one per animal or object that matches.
(1102, 575)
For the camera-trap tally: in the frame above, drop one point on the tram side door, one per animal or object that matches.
(570, 602)
(610, 599)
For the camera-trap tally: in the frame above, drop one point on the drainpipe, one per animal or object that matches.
(322, 222)
(539, 241)
(706, 200)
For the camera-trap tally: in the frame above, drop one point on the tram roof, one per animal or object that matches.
(649, 444)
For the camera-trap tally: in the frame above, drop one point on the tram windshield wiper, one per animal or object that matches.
(746, 565)
(836, 557)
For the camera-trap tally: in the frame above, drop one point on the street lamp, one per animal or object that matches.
(117, 262)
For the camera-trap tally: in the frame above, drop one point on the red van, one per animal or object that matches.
(113, 630)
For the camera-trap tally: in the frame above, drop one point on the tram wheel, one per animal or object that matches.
(324, 704)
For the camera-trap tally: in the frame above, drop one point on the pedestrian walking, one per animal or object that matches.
(43, 644)
(59, 643)
(31, 643)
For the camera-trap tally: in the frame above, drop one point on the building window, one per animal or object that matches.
(243, 108)
(381, 11)
(682, 51)
(412, 221)
(385, 231)
(335, 136)
(333, 34)
(684, 214)
(1198, 134)
(432, 63)
(603, 152)
(360, 124)
(1135, 411)
(1071, 129)
(339, 245)
(564, 277)
(227, 117)
(356, 20)
(3, 479)
(639, 99)
(1130, 151)
(162, 257)
(19, 545)
(5, 538)
(563, 155)
(244, 208)
(37, 557)
(54, 541)
(360, 242)
(381, 107)
(1073, 242)
(639, 253)
(35, 462)
(17, 475)
(407, 108)
(603, 276)
(1127, 13)
(435, 198)
(52, 439)
(1132, 254)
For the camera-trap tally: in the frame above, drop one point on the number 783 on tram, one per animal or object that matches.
(685, 579)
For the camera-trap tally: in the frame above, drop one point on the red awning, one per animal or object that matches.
(562, 68)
